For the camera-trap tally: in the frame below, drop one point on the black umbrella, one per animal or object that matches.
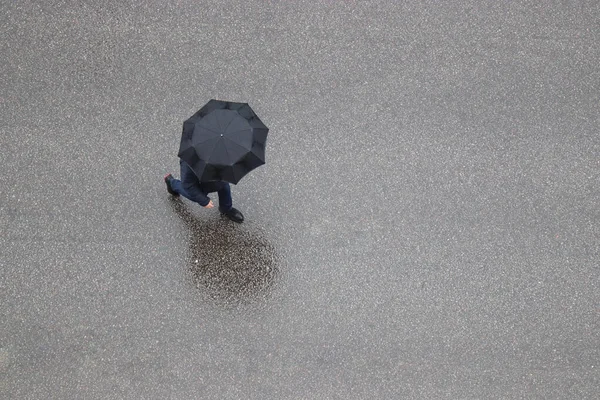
(223, 141)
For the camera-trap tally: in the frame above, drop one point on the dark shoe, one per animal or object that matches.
(168, 178)
(233, 214)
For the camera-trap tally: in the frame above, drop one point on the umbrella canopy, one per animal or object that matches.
(223, 141)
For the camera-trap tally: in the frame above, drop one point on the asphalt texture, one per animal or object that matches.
(427, 224)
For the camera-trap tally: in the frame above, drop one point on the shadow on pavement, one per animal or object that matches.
(233, 265)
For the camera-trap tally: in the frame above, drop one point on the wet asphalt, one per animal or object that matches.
(427, 224)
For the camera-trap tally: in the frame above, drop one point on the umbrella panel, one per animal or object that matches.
(242, 138)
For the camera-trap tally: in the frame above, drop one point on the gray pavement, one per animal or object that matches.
(426, 226)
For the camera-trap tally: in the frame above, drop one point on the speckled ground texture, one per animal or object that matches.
(427, 224)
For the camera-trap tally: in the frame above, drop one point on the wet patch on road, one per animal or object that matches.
(230, 263)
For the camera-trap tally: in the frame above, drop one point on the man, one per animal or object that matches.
(191, 188)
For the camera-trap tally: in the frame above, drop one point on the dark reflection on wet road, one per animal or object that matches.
(233, 265)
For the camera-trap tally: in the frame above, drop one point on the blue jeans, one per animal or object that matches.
(222, 188)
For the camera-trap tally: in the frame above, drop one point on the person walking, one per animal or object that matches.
(220, 144)
(193, 189)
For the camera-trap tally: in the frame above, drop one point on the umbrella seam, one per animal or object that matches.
(225, 130)
(207, 139)
(228, 155)
(234, 142)
(209, 152)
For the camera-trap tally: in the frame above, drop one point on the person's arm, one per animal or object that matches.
(191, 185)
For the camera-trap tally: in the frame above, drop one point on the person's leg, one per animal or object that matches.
(177, 187)
(222, 188)
(168, 179)
(225, 201)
